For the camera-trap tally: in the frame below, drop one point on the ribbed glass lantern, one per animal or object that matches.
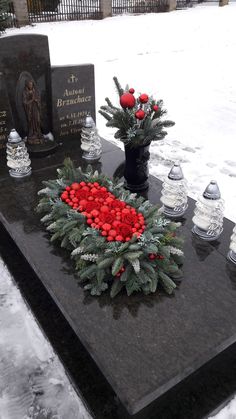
(174, 193)
(232, 247)
(208, 213)
(90, 140)
(17, 156)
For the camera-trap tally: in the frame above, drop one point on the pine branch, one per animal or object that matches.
(119, 89)
(106, 116)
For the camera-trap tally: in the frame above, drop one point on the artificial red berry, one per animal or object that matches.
(143, 98)
(75, 186)
(140, 114)
(112, 233)
(106, 226)
(104, 208)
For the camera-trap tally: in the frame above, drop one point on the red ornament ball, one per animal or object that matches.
(155, 108)
(131, 90)
(140, 114)
(143, 98)
(127, 100)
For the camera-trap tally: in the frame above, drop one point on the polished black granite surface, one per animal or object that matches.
(144, 346)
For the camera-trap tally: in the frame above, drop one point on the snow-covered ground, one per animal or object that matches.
(187, 58)
(33, 383)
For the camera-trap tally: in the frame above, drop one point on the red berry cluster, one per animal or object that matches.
(153, 256)
(120, 272)
(116, 220)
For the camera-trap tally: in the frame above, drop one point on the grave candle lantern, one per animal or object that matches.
(208, 213)
(90, 140)
(174, 193)
(232, 247)
(17, 156)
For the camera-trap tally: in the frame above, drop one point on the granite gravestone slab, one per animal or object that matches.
(143, 345)
(6, 122)
(22, 58)
(73, 97)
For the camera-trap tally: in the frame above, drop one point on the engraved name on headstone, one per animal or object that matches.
(73, 97)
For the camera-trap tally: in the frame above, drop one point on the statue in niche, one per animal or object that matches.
(32, 107)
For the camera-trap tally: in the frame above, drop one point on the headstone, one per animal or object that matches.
(73, 97)
(24, 57)
(6, 122)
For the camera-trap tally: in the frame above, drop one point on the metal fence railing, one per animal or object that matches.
(138, 6)
(57, 10)
(9, 18)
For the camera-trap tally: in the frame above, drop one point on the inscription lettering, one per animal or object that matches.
(73, 92)
(68, 102)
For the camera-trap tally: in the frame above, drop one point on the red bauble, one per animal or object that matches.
(140, 114)
(75, 186)
(119, 238)
(155, 108)
(106, 226)
(131, 90)
(143, 98)
(127, 100)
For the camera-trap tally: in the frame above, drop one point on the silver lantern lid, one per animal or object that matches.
(89, 122)
(212, 191)
(176, 172)
(14, 137)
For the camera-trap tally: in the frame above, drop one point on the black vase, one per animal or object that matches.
(136, 168)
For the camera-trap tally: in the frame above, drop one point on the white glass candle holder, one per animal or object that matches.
(232, 247)
(90, 140)
(17, 156)
(174, 193)
(208, 213)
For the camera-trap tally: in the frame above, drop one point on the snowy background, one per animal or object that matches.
(186, 58)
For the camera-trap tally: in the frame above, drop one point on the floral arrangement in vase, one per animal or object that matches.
(139, 120)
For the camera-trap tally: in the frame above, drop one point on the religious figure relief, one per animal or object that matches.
(32, 107)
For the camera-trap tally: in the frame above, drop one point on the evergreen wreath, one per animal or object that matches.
(115, 238)
(139, 121)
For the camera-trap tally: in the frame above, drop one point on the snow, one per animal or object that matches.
(229, 412)
(33, 382)
(185, 58)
